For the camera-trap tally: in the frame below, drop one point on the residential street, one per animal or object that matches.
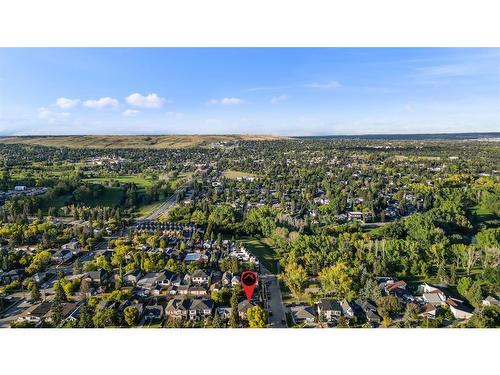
(275, 303)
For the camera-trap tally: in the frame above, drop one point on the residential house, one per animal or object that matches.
(235, 281)
(201, 277)
(436, 298)
(226, 278)
(428, 311)
(73, 246)
(67, 309)
(355, 215)
(198, 290)
(329, 309)
(36, 313)
(99, 277)
(491, 301)
(347, 309)
(132, 277)
(459, 309)
(369, 310)
(392, 286)
(224, 312)
(243, 307)
(302, 314)
(177, 308)
(201, 308)
(183, 289)
(62, 256)
(153, 313)
(149, 280)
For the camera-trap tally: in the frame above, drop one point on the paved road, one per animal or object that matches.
(170, 202)
(13, 312)
(275, 303)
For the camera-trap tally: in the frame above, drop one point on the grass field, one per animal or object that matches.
(233, 175)
(139, 181)
(130, 141)
(262, 250)
(483, 215)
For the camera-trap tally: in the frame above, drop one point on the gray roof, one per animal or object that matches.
(201, 273)
(243, 306)
(302, 312)
(202, 304)
(329, 305)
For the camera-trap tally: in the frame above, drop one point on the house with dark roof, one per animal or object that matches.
(99, 277)
(201, 276)
(152, 313)
(36, 313)
(329, 309)
(201, 308)
(198, 290)
(177, 308)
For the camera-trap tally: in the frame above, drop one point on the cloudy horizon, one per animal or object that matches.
(278, 91)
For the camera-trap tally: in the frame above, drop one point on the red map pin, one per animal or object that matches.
(248, 282)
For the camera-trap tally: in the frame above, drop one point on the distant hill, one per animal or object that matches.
(130, 141)
(413, 137)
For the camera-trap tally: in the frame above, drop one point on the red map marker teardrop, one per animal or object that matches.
(248, 282)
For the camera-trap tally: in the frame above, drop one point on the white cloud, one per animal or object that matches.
(277, 99)
(330, 85)
(226, 101)
(51, 117)
(131, 112)
(65, 103)
(146, 101)
(101, 103)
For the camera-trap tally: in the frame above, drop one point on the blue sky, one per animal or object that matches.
(289, 91)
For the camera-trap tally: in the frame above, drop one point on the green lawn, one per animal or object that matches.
(262, 250)
(483, 215)
(233, 175)
(139, 181)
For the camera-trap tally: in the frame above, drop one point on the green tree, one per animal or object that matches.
(485, 317)
(104, 318)
(85, 319)
(35, 293)
(337, 280)
(56, 312)
(257, 317)
(217, 322)
(234, 318)
(131, 315)
(295, 277)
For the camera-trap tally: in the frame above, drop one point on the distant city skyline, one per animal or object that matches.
(281, 91)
